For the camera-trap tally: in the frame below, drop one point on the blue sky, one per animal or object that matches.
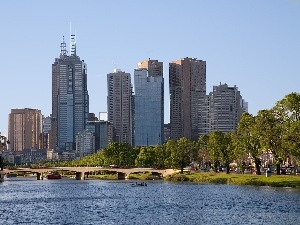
(252, 44)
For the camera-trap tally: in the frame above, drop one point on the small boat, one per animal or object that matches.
(136, 184)
(53, 175)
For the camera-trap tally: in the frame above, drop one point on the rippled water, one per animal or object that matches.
(68, 201)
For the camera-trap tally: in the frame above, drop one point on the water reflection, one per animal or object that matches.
(68, 201)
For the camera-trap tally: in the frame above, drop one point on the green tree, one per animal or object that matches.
(95, 159)
(3, 147)
(229, 149)
(132, 155)
(183, 152)
(146, 157)
(126, 155)
(288, 110)
(214, 146)
(121, 154)
(220, 149)
(289, 107)
(248, 141)
(270, 129)
(203, 153)
(161, 155)
(170, 146)
(292, 140)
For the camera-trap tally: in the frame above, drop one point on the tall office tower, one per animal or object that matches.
(25, 129)
(46, 132)
(70, 99)
(226, 108)
(149, 103)
(203, 115)
(187, 83)
(119, 105)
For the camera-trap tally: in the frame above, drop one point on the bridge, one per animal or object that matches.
(81, 171)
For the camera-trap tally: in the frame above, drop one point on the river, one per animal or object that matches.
(69, 201)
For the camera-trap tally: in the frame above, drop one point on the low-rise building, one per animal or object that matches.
(66, 156)
(32, 156)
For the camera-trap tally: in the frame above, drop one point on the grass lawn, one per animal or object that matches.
(105, 176)
(238, 179)
(216, 178)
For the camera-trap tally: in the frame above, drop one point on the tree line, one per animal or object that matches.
(273, 131)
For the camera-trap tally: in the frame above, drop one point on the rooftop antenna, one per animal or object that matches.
(70, 28)
(115, 65)
(63, 47)
(72, 42)
(116, 69)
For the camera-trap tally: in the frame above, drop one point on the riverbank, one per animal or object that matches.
(133, 176)
(238, 179)
(205, 177)
(218, 178)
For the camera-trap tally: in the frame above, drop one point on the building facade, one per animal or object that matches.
(167, 132)
(187, 84)
(85, 143)
(203, 115)
(226, 107)
(70, 99)
(149, 103)
(103, 132)
(25, 129)
(33, 156)
(119, 105)
(46, 132)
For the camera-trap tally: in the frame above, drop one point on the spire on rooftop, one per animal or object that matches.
(63, 47)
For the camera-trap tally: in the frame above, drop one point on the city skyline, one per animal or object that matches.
(253, 45)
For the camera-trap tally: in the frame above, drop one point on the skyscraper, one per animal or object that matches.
(226, 107)
(119, 105)
(187, 83)
(46, 132)
(70, 99)
(149, 103)
(25, 129)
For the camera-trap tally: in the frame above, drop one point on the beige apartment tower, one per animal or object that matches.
(119, 105)
(187, 83)
(25, 129)
(226, 107)
(155, 68)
